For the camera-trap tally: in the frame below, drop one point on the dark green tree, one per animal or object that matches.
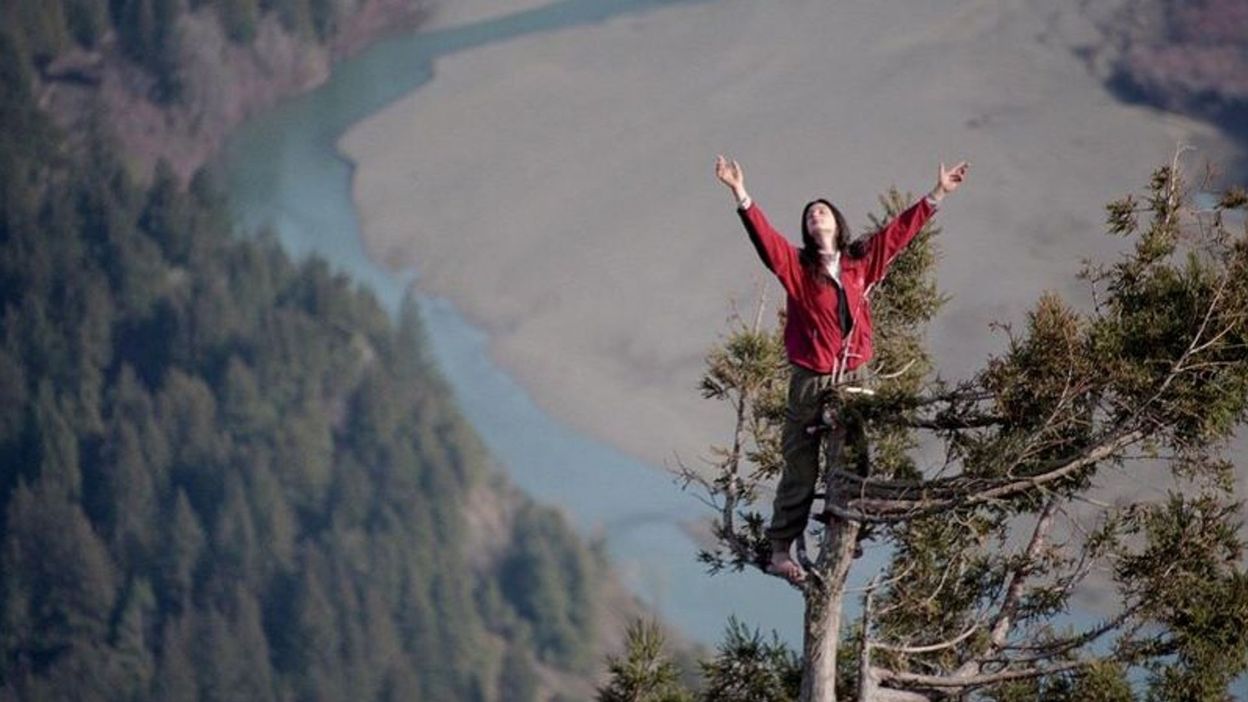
(749, 668)
(324, 16)
(179, 552)
(148, 30)
(167, 215)
(40, 26)
(87, 20)
(547, 576)
(517, 679)
(239, 18)
(60, 583)
(175, 675)
(12, 397)
(644, 673)
(135, 657)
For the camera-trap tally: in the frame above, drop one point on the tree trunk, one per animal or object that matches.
(822, 630)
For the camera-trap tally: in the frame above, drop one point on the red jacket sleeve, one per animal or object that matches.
(885, 244)
(777, 253)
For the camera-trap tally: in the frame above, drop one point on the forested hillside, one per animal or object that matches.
(227, 476)
(1187, 56)
(168, 79)
(148, 32)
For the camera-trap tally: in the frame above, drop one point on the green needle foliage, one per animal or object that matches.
(644, 673)
(749, 668)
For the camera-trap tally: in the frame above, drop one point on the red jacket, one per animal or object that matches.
(812, 334)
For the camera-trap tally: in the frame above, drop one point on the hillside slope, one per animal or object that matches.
(224, 475)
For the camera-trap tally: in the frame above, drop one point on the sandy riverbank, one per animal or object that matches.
(558, 188)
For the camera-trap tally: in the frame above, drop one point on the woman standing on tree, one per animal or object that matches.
(827, 333)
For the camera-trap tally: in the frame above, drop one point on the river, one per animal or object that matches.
(283, 171)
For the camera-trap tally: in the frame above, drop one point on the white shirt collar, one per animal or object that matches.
(832, 264)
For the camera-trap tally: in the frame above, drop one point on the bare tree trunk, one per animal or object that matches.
(822, 630)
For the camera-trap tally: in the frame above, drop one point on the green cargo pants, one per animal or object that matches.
(796, 491)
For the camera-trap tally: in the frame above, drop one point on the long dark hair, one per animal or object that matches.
(845, 243)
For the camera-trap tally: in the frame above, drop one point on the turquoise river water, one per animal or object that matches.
(282, 171)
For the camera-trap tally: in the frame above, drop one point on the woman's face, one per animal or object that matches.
(822, 224)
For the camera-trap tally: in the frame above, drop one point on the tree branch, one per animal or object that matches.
(967, 682)
(901, 508)
(930, 648)
(1009, 606)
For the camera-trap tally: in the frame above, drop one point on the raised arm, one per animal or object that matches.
(777, 253)
(885, 245)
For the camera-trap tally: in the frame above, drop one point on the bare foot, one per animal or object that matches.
(782, 565)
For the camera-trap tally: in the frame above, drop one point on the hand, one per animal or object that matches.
(729, 173)
(948, 180)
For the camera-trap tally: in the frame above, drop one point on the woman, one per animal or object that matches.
(827, 332)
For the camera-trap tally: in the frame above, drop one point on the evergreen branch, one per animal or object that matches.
(897, 507)
(1051, 649)
(930, 648)
(1009, 607)
(969, 682)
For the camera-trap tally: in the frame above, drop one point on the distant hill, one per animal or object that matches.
(1188, 56)
(169, 78)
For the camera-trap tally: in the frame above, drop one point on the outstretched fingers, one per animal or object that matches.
(957, 173)
(728, 171)
(951, 178)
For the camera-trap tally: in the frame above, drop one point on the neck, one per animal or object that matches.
(826, 241)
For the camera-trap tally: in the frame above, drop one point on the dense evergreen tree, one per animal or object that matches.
(749, 668)
(324, 17)
(87, 20)
(239, 18)
(294, 15)
(148, 30)
(645, 672)
(39, 26)
(518, 680)
(547, 579)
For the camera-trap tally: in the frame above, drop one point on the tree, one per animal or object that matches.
(134, 658)
(239, 18)
(991, 543)
(87, 20)
(644, 673)
(546, 576)
(40, 25)
(149, 35)
(747, 668)
(324, 16)
(183, 545)
(166, 216)
(59, 585)
(518, 679)
(293, 15)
